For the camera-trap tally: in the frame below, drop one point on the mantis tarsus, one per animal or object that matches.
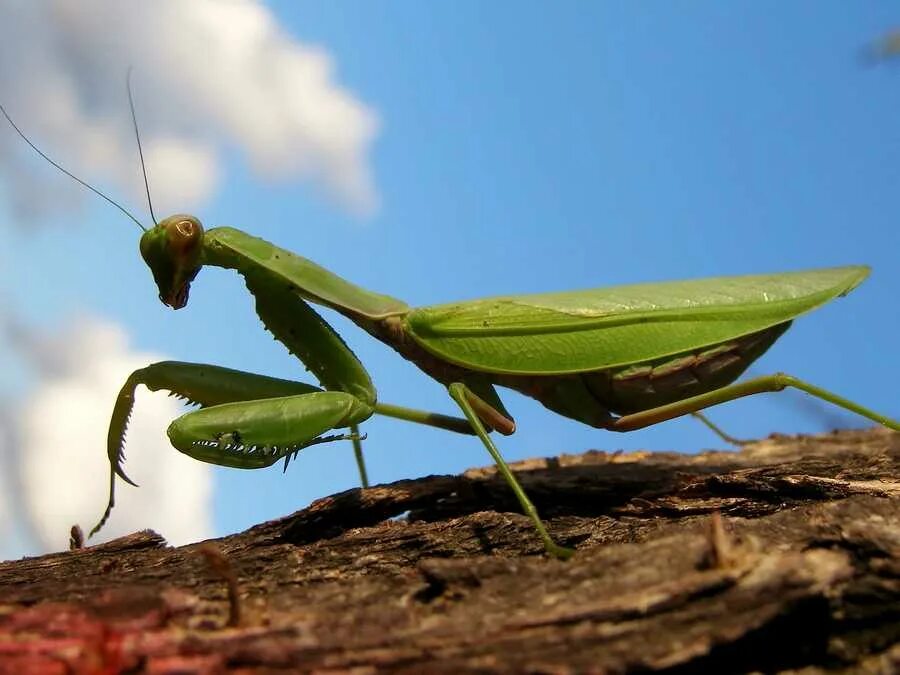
(618, 358)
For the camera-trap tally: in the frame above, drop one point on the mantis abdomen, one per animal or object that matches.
(649, 385)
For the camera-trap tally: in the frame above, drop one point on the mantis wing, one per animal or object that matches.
(559, 333)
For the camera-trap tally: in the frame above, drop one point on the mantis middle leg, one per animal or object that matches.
(475, 410)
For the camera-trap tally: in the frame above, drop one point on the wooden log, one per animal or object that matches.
(782, 557)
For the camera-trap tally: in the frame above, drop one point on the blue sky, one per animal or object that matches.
(526, 148)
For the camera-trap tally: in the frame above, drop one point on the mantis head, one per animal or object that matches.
(171, 248)
(172, 251)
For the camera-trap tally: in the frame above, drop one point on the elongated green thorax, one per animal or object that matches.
(230, 248)
(172, 251)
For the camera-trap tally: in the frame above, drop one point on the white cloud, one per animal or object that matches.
(60, 444)
(210, 75)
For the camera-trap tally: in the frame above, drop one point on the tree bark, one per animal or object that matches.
(784, 557)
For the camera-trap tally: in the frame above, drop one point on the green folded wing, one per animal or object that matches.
(557, 333)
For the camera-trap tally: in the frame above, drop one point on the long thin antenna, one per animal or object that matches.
(137, 135)
(69, 173)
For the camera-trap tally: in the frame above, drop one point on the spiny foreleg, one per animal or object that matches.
(268, 419)
(197, 384)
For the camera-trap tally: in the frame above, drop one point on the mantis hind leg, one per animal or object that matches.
(757, 385)
(717, 430)
(476, 409)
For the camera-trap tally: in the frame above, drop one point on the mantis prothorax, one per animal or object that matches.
(618, 358)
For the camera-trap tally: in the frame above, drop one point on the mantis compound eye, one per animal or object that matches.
(184, 234)
(185, 227)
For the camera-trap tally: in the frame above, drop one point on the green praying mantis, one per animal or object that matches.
(618, 358)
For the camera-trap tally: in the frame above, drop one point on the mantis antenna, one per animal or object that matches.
(137, 135)
(69, 173)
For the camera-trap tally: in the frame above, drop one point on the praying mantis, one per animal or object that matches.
(618, 358)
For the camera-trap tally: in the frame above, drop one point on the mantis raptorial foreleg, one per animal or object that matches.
(198, 384)
(249, 421)
(256, 434)
(758, 385)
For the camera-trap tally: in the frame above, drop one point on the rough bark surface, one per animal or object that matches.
(800, 574)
